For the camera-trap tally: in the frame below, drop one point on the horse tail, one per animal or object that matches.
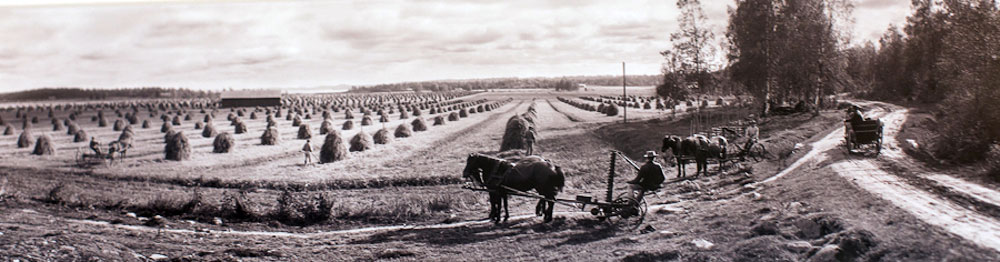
(559, 181)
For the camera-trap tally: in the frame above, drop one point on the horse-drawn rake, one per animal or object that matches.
(625, 210)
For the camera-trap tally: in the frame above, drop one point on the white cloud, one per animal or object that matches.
(287, 44)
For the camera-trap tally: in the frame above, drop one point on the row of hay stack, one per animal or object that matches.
(519, 131)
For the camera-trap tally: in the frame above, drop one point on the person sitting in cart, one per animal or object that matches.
(649, 178)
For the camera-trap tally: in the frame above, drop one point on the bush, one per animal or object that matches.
(333, 148)
(178, 148)
(403, 130)
(44, 146)
(24, 140)
(209, 131)
(361, 142)
(271, 136)
(223, 143)
(382, 137)
(305, 132)
(348, 125)
(419, 124)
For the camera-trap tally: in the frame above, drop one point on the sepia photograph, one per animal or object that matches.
(517, 130)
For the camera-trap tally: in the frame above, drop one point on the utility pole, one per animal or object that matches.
(624, 96)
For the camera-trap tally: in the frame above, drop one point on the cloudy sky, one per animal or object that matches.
(256, 44)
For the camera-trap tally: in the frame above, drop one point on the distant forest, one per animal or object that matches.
(512, 83)
(69, 93)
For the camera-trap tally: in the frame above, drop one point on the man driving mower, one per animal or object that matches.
(649, 178)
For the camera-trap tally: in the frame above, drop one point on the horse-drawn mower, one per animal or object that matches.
(626, 210)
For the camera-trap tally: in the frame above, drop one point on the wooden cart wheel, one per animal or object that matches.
(757, 152)
(628, 213)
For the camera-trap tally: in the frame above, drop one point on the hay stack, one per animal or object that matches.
(439, 120)
(403, 130)
(416, 111)
(305, 132)
(176, 121)
(208, 119)
(348, 125)
(44, 146)
(479, 109)
(419, 124)
(24, 140)
(166, 127)
(253, 115)
(366, 120)
(197, 126)
(240, 127)
(453, 117)
(101, 122)
(403, 114)
(271, 136)
(145, 124)
(462, 113)
(223, 143)
(382, 137)
(333, 148)
(209, 131)
(178, 148)
(8, 130)
(297, 121)
(325, 127)
(187, 117)
(515, 133)
(57, 126)
(611, 110)
(348, 114)
(383, 118)
(361, 142)
(80, 136)
(126, 137)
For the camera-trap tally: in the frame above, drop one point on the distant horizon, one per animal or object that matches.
(304, 89)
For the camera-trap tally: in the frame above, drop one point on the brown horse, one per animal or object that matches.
(696, 146)
(529, 173)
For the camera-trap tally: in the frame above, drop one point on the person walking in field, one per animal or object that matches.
(649, 178)
(530, 139)
(95, 146)
(308, 149)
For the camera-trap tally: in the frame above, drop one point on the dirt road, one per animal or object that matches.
(873, 175)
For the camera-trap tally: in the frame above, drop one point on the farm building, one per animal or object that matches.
(250, 98)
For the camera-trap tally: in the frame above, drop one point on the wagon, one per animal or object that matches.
(863, 135)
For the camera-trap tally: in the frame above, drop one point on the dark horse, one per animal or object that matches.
(698, 147)
(529, 173)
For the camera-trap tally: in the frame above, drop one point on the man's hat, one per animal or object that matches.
(650, 154)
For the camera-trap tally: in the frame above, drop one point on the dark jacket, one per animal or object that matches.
(650, 175)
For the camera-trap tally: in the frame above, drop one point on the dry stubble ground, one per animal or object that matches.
(719, 213)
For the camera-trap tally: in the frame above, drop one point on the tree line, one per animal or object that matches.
(946, 54)
(559, 83)
(72, 93)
